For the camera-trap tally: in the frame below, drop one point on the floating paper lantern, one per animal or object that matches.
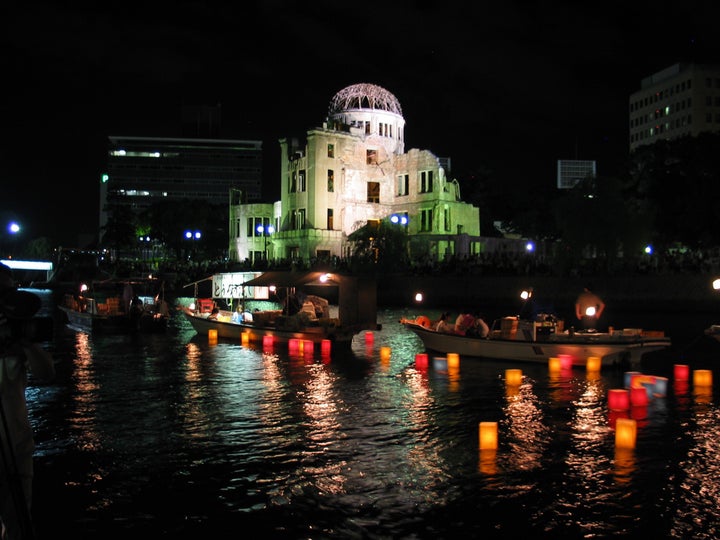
(566, 361)
(245, 338)
(639, 396)
(488, 435)
(681, 372)
(702, 377)
(554, 364)
(628, 378)
(453, 360)
(513, 377)
(325, 347)
(212, 335)
(385, 353)
(421, 360)
(593, 364)
(618, 399)
(369, 338)
(293, 345)
(625, 433)
(267, 342)
(308, 347)
(660, 387)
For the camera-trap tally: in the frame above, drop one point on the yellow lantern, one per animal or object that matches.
(702, 377)
(625, 433)
(513, 377)
(488, 435)
(593, 364)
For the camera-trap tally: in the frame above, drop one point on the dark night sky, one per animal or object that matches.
(511, 87)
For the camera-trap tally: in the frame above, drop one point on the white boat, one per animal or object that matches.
(538, 341)
(356, 310)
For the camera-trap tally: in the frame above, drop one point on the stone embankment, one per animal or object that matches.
(671, 293)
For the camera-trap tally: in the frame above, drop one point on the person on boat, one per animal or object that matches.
(464, 322)
(444, 325)
(589, 308)
(214, 313)
(479, 327)
(17, 355)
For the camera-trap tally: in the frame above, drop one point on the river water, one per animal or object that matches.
(169, 436)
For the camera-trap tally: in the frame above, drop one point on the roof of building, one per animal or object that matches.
(364, 96)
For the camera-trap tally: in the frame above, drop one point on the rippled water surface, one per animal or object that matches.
(171, 437)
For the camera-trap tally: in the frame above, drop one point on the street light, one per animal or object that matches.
(265, 231)
(193, 235)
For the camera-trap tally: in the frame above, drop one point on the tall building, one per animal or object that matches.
(352, 171)
(680, 100)
(143, 170)
(572, 171)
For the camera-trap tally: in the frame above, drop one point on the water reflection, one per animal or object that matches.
(185, 439)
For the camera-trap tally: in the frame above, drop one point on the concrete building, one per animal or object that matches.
(144, 170)
(680, 100)
(572, 171)
(347, 173)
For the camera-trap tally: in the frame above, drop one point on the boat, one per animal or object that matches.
(713, 331)
(543, 338)
(303, 313)
(117, 306)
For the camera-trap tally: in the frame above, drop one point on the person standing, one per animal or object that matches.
(17, 444)
(589, 308)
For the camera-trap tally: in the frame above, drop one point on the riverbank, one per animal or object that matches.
(669, 293)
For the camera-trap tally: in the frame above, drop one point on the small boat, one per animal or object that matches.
(311, 320)
(541, 339)
(117, 306)
(713, 331)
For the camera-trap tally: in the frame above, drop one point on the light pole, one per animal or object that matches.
(265, 231)
(193, 235)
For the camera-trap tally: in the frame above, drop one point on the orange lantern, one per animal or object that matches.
(453, 360)
(554, 364)
(513, 377)
(488, 435)
(385, 353)
(625, 433)
(702, 377)
(593, 364)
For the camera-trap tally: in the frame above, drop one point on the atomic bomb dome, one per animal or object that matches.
(364, 96)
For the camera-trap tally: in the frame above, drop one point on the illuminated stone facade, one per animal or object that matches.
(351, 171)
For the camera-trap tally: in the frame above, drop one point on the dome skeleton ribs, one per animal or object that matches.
(364, 96)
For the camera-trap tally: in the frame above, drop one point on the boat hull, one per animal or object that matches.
(256, 333)
(113, 324)
(612, 350)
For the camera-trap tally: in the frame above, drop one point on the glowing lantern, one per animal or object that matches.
(628, 378)
(681, 372)
(566, 361)
(325, 347)
(293, 345)
(618, 399)
(421, 360)
(385, 353)
(702, 377)
(212, 335)
(267, 342)
(453, 360)
(513, 377)
(245, 338)
(593, 363)
(638, 396)
(488, 435)
(369, 338)
(660, 387)
(554, 364)
(308, 346)
(625, 433)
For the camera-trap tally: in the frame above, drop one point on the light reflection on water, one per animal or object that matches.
(177, 437)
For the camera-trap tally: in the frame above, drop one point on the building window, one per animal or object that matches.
(447, 218)
(301, 181)
(426, 218)
(301, 218)
(371, 158)
(403, 183)
(293, 182)
(331, 181)
(330, 219)
(331, 150)
(373, 192)
(426, 181)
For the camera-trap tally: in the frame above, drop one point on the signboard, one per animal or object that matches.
(230, 286)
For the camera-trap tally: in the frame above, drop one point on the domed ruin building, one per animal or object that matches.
(349, 172)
